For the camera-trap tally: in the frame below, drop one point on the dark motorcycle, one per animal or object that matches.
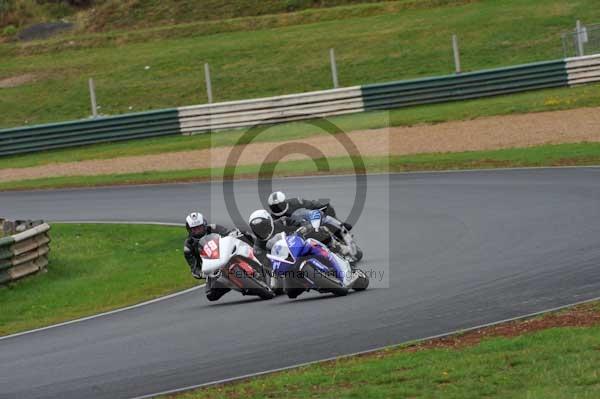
(330, 231)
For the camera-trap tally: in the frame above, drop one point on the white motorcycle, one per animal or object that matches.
(229, 264)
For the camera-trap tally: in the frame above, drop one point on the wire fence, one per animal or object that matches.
(584, 40)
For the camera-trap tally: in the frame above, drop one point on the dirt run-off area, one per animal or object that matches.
(586, 315)
(491, 133)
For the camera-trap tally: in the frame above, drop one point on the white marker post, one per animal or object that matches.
(209, 93)
(581, 37)
(93, 98)
(456, 54)
(334, 71)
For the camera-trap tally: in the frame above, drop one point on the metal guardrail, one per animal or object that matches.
(88, 131)
(235, 114)
(583, 69)
(24, 253)
(239, 114)
(465, 86)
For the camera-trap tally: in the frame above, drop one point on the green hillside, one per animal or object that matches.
(102, 15)
(162, 67)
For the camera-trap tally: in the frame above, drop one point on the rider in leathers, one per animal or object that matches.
(197, 228)
(280, 206)
(266, 230)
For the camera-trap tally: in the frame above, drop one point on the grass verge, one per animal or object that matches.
(581, 154)
(538, 101)
(551, 356)
(96, 268)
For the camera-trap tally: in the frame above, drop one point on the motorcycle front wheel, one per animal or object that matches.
(362, 282)
(214, 294)
(293, 293)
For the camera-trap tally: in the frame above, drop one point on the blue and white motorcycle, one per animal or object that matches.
(306, 264)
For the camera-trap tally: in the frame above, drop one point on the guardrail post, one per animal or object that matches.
(580, 38)
(93, 98)
(334, 71)
(456, 54)
(209, 93)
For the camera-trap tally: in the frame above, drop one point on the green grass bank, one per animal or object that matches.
(96, 268)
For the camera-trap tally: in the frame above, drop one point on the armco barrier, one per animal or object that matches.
(464, 86)
(238, 114)
(203, 118)
(24, 253)
(583, 69)
(89, 131)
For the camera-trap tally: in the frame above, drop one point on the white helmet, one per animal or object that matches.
(195, 224)
(261, 224)
(277, 203)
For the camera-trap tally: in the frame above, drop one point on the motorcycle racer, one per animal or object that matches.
(266, 230)
(197, 227)
(280, 206)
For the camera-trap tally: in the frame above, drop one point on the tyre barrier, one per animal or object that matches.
(24, 253)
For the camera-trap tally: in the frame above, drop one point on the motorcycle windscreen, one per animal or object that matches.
(281, 252)
(315, 219)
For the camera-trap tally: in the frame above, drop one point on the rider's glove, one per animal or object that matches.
(235, 233)
(302, 230)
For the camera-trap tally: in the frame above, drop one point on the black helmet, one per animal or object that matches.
(195, 223)
(261, 224)
(278, 204)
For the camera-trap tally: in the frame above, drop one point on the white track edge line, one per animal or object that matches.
(139, 305)
(168, 224)
(217, 181)
(412, 342)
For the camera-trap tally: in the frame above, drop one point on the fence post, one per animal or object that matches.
(209, 93)
(334, 71)
(579, 39)
(93, 98)
(456, 54)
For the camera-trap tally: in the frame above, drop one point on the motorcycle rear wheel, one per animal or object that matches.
(340, 292)
(264, 292)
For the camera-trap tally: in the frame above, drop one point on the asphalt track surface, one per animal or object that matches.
(466, 249)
